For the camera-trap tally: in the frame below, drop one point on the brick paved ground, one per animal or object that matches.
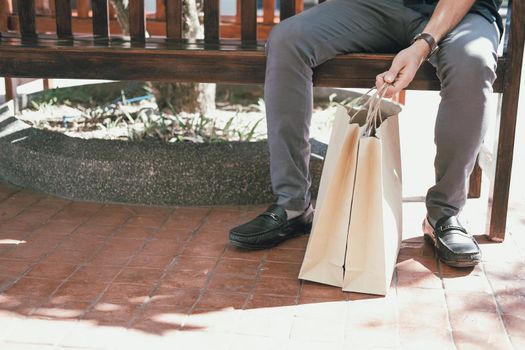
(85, 275)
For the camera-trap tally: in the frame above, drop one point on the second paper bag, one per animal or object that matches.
(358, 221)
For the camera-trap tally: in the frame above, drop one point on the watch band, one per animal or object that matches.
(429, 39)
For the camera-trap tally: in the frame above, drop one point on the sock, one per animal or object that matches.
(294, 213)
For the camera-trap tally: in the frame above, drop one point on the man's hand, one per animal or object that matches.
(447, 14)
(404, 68)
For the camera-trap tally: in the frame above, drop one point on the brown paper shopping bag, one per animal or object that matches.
(357, 225)
(325, 254)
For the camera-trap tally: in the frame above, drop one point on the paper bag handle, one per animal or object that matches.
(373, 105)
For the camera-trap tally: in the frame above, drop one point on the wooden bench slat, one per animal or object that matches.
(174, 19)
(100, 18)
(63, 18)
(137, 20)
(248, 20)
(211, 20)
(26, 15)
(287, 9)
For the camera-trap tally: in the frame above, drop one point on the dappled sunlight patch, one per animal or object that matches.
(170, 318)
(59, 313)
(9, 302)
(12, 241)
(108, 307)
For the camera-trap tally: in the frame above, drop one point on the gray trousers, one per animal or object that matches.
(465, 64)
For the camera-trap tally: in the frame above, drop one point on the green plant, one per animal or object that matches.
(138, 120)
(110, 123)
(247, 137)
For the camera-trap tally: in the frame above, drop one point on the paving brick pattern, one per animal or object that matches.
(79, 275)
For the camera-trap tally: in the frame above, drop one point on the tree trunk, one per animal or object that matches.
(121, 9)
(174, 96)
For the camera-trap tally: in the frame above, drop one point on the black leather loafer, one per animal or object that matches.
(453, 244)
(271, 228)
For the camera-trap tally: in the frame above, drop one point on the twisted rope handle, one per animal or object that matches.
(373, 105)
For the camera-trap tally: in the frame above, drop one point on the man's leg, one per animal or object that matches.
(466, 65)
(294, 48)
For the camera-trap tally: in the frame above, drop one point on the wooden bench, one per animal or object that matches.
(215, 59)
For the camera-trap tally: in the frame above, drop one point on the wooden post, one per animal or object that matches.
(48, 84)
(10, 89)
(474, 188)
(401, 97)
(500, 186)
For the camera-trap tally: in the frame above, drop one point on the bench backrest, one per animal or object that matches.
(167, 19)
(164, 21)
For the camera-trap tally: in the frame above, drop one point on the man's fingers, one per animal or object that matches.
(392, 74)
(391, 90)
(390, 77)
(402, 82)
(380, 81)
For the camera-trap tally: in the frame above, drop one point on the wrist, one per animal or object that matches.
(426, 43)
(422, 49)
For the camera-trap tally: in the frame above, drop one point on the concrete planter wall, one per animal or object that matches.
(152, 173)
